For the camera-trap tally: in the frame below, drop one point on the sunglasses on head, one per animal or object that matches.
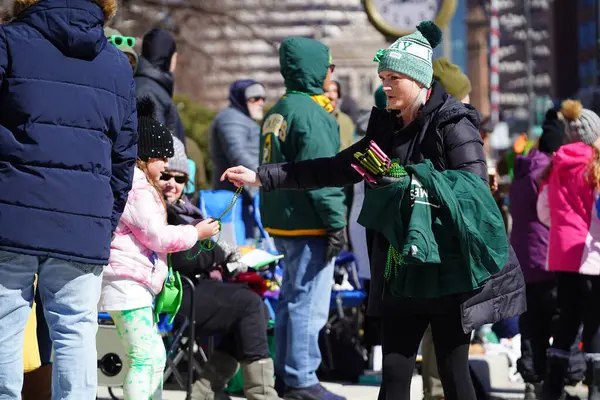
(119, 40)
(181, 179)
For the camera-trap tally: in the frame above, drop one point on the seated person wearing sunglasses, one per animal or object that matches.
(229, 310)
(123, 43)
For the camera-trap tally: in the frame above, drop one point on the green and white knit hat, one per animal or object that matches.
(411, 55)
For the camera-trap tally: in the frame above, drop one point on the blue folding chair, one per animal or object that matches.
(190, 186)
(347, 260)
(212, 203)
(267, 239)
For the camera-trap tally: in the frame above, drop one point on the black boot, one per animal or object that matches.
(593, 376)
(554, 384)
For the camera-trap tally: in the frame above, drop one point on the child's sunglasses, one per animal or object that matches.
(181, 179)
(119, 40)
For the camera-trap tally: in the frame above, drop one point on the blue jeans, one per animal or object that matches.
(70, 292)
(302, 309)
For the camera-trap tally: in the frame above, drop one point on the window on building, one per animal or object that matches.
(344, 81)
(366, 85)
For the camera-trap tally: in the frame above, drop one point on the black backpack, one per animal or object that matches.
(343, 355)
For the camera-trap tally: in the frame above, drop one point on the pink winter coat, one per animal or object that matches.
(567, 205)
(143, 238)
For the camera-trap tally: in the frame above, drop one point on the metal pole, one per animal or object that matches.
(447, 41)
(494, 62)
(530, 65)
(192, 336)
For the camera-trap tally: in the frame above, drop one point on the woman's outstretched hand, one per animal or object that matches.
(241, 176)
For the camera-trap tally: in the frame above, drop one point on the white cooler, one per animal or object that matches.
(111, 354)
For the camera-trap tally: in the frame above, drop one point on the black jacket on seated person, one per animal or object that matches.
(232, 311)
(445, 132)
(193, 262)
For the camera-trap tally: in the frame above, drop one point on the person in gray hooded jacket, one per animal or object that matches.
(235, 139)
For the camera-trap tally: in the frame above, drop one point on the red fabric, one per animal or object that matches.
(257, 283)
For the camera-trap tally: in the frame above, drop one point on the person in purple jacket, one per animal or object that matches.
(529, 238)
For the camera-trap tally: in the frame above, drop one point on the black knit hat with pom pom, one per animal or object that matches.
(155, 139)
(411, 55)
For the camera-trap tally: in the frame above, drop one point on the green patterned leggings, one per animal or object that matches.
(145, 353)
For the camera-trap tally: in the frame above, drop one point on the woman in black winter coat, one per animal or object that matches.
(422, 122)
(231, 311)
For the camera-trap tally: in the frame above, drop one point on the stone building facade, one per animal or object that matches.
(245, 46)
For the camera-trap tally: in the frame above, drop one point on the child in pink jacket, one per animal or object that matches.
(138, 267)
(566, 204)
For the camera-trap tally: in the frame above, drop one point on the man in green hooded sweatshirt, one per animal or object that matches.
(308, 226)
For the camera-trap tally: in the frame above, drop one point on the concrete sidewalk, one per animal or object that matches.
(351, 392)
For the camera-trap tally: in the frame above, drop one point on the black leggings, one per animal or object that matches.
(236, 314)
(536, 326)
(401, 338)
(578, 299)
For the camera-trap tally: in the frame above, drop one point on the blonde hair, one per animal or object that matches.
(594, 169)
(109, 7)
(413, 109)
(545, 176)
(143, 165)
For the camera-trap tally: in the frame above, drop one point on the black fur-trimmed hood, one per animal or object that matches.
(449, 109)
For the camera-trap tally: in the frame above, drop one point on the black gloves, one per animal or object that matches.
(336, 242)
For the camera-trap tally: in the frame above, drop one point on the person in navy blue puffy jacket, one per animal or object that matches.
(68, 144)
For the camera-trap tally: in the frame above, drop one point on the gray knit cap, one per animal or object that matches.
(582, 125)
(179, 161)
